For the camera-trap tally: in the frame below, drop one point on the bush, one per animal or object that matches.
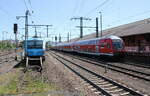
(6, 45)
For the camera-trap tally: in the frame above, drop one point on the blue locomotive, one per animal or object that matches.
(34, 49)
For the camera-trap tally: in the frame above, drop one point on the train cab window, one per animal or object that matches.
(102, 45)
(117, 44)
(32, 44)
(77, 47)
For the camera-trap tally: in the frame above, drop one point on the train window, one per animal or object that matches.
(108, 45)
(117, 45)
(32, 44)
(89, 42)
(92, 42)
(102, 45)
(96, 41)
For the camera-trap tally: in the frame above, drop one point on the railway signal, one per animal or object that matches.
(55, 38)
(15, 32)
(15, 28)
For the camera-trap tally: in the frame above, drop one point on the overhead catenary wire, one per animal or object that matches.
(76, 10)
(29, 1)
(4, 11)
(25, 4)
(75, 7)
(81, 6)
(94, 9)
(30, 9)
(129, 17)
(27, 8)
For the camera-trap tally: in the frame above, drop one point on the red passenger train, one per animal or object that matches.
(107, 45)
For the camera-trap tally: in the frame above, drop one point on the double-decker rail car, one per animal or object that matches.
(68, 47)
(107, 45)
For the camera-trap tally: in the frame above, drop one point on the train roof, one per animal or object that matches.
(64, 44)
(35, 39)
(83, 41)
(104, 37)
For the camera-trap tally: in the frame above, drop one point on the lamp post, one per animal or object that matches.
(101, 22)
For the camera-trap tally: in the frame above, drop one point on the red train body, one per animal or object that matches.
(108, 45)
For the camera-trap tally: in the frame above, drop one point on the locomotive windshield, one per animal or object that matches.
(117, 44)
(35, 44)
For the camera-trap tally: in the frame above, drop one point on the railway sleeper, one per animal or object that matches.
(114, 90)
(103, 83)
(97, 92)
(125, 93)
(110, 88)
(106, 85)
(117, 92)
(90, 86)
(93, 89)
(98, 81)
(94, 78)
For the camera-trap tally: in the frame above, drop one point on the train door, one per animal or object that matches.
(108, 46)
(105, 46)
(102, 47)
(97, 47)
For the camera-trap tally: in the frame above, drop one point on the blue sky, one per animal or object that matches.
(59, 12)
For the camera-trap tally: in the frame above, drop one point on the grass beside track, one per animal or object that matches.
(13, 83)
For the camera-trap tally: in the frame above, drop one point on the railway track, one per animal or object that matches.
(7, 59)
(115, 67)
(99, 84)
(138, 65)
(5, 53)
(8, 62)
